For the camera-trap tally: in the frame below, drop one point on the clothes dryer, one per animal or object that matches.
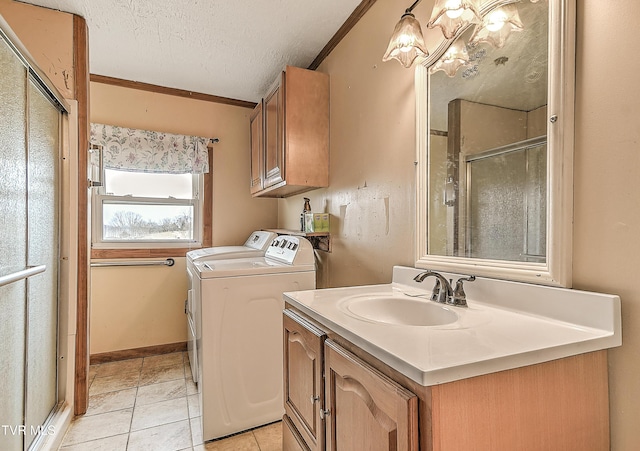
(255, 246)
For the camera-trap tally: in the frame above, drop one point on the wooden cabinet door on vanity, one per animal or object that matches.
(365, 409)
(291, 438)
(303, 382)
(257, 152)
(273, 135)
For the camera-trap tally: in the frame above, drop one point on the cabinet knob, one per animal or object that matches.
(313, 399)
(324, 413)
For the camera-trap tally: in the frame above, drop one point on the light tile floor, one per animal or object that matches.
(151, 404)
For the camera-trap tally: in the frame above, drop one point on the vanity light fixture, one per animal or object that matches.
(454, 58)
(452, 15)
(407, 42)
(497, 26)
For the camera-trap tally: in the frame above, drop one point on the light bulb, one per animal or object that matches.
(449, 57)
(496, 20)
(454, 8)
(407, 42)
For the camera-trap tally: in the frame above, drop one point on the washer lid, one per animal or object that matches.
(224, 252)
(246, 267)
(254, 246)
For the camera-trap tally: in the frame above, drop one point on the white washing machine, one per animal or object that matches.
(255, 246)
(239, 344)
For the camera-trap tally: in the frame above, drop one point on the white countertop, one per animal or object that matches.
(506, 325)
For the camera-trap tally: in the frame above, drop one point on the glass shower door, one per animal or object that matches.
(29, 252)
(13, 249)
(42, 249)
(507, 203)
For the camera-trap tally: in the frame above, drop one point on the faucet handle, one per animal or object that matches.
(436, 293)
(459, 297)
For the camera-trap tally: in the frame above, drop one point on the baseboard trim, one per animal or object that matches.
(146, 351)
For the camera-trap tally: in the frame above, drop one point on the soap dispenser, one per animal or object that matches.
(306, 209)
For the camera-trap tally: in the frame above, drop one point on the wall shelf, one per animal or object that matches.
(319, 240)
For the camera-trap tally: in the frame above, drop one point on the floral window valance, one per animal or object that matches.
(129, 149)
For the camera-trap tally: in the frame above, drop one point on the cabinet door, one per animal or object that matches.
(257, 148)
(273, 135)
(303, 386)
(366, 409)
(291, 439)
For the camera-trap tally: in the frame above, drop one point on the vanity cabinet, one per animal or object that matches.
(291, 438)
(294, 136)
(336, 401)
(557, 405)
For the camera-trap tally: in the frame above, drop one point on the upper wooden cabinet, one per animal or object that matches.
(257, 148)
(294, 135)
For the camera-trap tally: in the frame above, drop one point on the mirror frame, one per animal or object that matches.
(556, 270)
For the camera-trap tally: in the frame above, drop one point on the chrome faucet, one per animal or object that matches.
(442, 291)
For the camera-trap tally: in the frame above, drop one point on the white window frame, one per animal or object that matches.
(99, 197)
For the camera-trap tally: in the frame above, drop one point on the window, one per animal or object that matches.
(139, 209)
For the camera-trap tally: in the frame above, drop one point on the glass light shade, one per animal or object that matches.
(452, 15)
(453, 59)
(497, 26)
(406, 43)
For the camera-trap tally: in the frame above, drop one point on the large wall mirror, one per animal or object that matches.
(495, 144)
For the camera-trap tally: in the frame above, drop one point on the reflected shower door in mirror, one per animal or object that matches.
(506, 208)
(495, 134)
(496, 101)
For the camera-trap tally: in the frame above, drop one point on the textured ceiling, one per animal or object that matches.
(227, 48)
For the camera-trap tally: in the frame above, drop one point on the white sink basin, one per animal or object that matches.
(399, 310)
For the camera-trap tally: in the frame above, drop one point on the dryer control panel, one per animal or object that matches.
(291, 249)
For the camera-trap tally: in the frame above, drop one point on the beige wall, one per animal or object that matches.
(477, 127)
(372, 141)
(537, 122)
(607, 190)
(137, 307)
(48, 35)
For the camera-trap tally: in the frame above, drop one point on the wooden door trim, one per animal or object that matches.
(81, 77)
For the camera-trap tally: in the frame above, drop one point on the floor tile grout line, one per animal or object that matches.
(133, 411)
(188, 414)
